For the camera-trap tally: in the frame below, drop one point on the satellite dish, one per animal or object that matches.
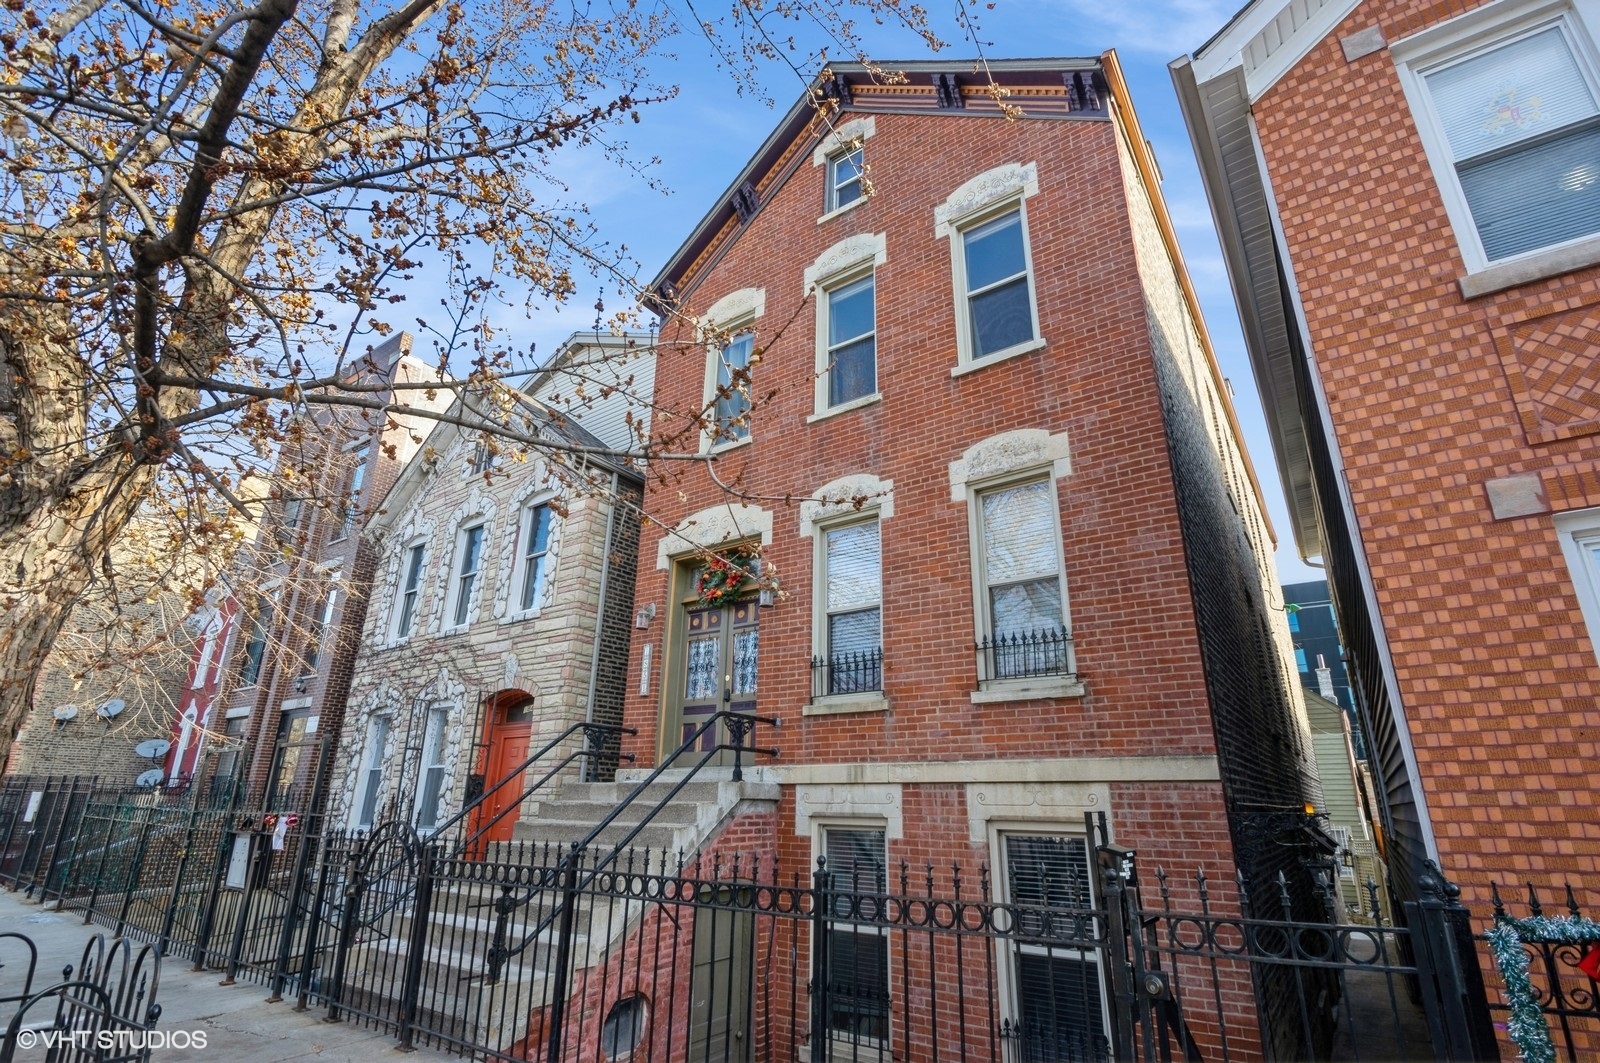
(147, 779)
(111, 708)
(66, 712)
(151, 748)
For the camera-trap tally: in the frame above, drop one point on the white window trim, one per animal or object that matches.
(1575, 529)
(346, 514)
(396, 636)
(727, 318)
(1006, 460)
(1450, 40)
(443, 753)
(865, 1049)
(1008, 997)
(447, 622)
(851, 259)
(372, 759)
(834, 506)
(519, 558)
(842, 138)
(984, 198)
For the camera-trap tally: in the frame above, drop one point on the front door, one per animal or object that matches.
(720, 980)
(721, 647)
(509, 726)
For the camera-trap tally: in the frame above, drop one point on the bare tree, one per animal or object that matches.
(206, 207)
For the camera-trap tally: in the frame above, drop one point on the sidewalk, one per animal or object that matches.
(240, 1026)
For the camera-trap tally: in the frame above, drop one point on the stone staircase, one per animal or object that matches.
(457, 997)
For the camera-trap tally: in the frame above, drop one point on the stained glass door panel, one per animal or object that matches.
(721, 647)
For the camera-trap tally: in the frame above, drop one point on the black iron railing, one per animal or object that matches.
(1018, 655)
(847, 673)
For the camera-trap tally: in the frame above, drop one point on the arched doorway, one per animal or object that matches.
(507, 735)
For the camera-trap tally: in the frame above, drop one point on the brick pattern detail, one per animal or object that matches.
(1431, 395)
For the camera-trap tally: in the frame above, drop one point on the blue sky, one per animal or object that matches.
(704, 137)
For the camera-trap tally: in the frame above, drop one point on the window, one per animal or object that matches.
(856, 963)
(1294, 617)
(410, 591)
(297, 733)
(289, 521)
(535, 557)
(731, 416)
(255, 647)
(372, 775)
(999, 291)
(322, 622)
(1512, 128)
(851, 358)
(845, 181)
(350, 509)
(485, 456)
(431, 790)
(1056, 1003)
(469, 560)
(852, 654)
(1024, 613)
(1580, 542)
(222, 776)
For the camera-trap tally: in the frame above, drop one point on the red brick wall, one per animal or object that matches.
(1496, 672)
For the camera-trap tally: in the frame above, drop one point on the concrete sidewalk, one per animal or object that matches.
(240, 1026)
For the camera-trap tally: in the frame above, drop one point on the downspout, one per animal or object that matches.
(600, 611)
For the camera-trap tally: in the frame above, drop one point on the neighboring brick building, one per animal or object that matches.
(502, 598)
(303, 586)
(1409, 199)
(956, 385)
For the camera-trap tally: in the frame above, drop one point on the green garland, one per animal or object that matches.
(1527, 1026)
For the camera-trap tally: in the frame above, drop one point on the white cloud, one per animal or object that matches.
(1170, 28)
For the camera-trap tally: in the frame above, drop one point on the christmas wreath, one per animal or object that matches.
(1526, 1024)
(723, 577)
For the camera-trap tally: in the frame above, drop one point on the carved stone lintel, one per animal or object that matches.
(1012, 180)
(1009, 452)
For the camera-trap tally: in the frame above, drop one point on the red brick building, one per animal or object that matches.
(1409, 199)
(958, 401)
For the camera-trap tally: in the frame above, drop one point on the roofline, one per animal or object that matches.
(799, 115)
(1149, 174)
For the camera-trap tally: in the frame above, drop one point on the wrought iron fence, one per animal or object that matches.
(1024, 654)
(1567, 995)
(847, 673)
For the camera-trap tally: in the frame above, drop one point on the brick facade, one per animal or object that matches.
(1439, 399)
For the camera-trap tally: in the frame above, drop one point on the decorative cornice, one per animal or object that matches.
(1009, 452)
(1010, 181)
(851, 252)
(856, 493)
(735, 307)
(712, 527)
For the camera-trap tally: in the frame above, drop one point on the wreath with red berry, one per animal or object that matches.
(723, 577)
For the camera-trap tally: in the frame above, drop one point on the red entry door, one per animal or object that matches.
(510, 735)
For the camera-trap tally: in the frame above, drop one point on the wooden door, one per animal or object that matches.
(721, 651)
(510, 735)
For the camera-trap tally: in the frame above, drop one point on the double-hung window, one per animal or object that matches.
(852, 354)
(855, 971)
(845, 177)
(322, 623)
(469, 561)
(998, 301)
(1512, 128)
(732, 404)
(351, 507)
(410, 590)
(1580, 541)
(535, 559)
(1021, 581)
(1056, 998)
(255, 647)
(372, 773)
(852, 662)
(430, 791)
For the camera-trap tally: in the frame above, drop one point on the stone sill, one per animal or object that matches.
(842, 704)
(1000, 356)
(844, 407)
(1537, 266)
(1001, 690)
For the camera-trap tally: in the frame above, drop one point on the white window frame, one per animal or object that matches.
(861, 701)
(435, 745)
(1009, 982)
(1012, 459)
(1579, 530)
(727, 320)
(841, 141)
(519, 565)
(323, 625)
(1485, 28)
(272, 592)
(985, 198)
(403, 590)
(349, 507)
(834, 185)
(850, 260)
(459, 615)
(371, 777)
(865, 1049)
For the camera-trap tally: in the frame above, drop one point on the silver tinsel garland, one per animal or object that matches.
(1526, 1024)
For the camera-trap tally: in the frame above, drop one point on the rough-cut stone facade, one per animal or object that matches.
(566, 652)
